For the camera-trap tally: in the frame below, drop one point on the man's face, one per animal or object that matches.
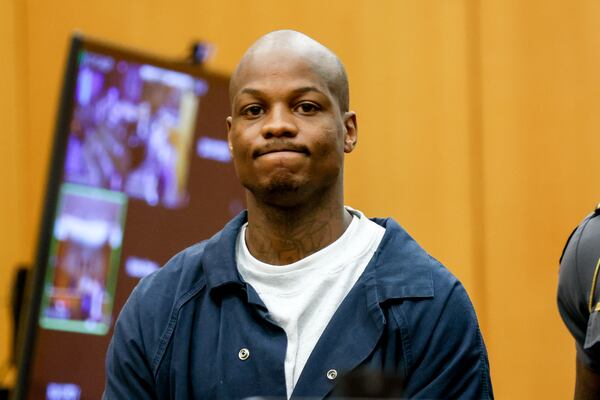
(286, 133)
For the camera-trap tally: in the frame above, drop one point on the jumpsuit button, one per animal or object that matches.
(331, 374)
(244, 354)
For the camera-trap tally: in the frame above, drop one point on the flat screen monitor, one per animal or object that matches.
(140, 169)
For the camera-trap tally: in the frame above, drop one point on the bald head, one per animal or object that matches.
(286, 43)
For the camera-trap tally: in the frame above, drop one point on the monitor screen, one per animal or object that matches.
(140, 170)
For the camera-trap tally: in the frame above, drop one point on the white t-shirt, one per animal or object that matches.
(303, 296)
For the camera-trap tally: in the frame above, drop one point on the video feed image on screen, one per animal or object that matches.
(84, 255)
(132, 129)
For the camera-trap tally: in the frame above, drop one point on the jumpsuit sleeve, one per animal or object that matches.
(128, 371)
(448, 355)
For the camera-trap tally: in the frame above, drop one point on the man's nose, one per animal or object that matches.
(279, 122)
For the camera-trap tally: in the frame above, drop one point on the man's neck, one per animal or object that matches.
(281, 236)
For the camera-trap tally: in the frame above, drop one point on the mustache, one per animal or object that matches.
(284, 145)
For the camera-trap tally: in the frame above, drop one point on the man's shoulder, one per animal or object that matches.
(186, 273)
(435, 306)
(184, 267)
(402, 258)
(145, 316)
(157, 292)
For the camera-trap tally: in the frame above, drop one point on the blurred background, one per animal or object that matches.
(478, 131)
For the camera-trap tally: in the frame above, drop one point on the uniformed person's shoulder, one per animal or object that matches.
(587, 248)
(578, 296)
(581, 231)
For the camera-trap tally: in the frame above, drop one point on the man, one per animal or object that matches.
(298, 291)
(578, 302)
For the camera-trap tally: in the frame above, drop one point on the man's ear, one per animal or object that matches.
(351, 136)
(228, 122)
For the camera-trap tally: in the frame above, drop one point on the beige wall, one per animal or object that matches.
(477, 126)
(12, 174)
(540, 125)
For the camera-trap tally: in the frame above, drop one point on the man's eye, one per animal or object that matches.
(253, 111)
(308, 108)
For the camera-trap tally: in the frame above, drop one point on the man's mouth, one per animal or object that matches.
(280, 149)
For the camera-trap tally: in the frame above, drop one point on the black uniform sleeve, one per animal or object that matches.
(576, 276)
